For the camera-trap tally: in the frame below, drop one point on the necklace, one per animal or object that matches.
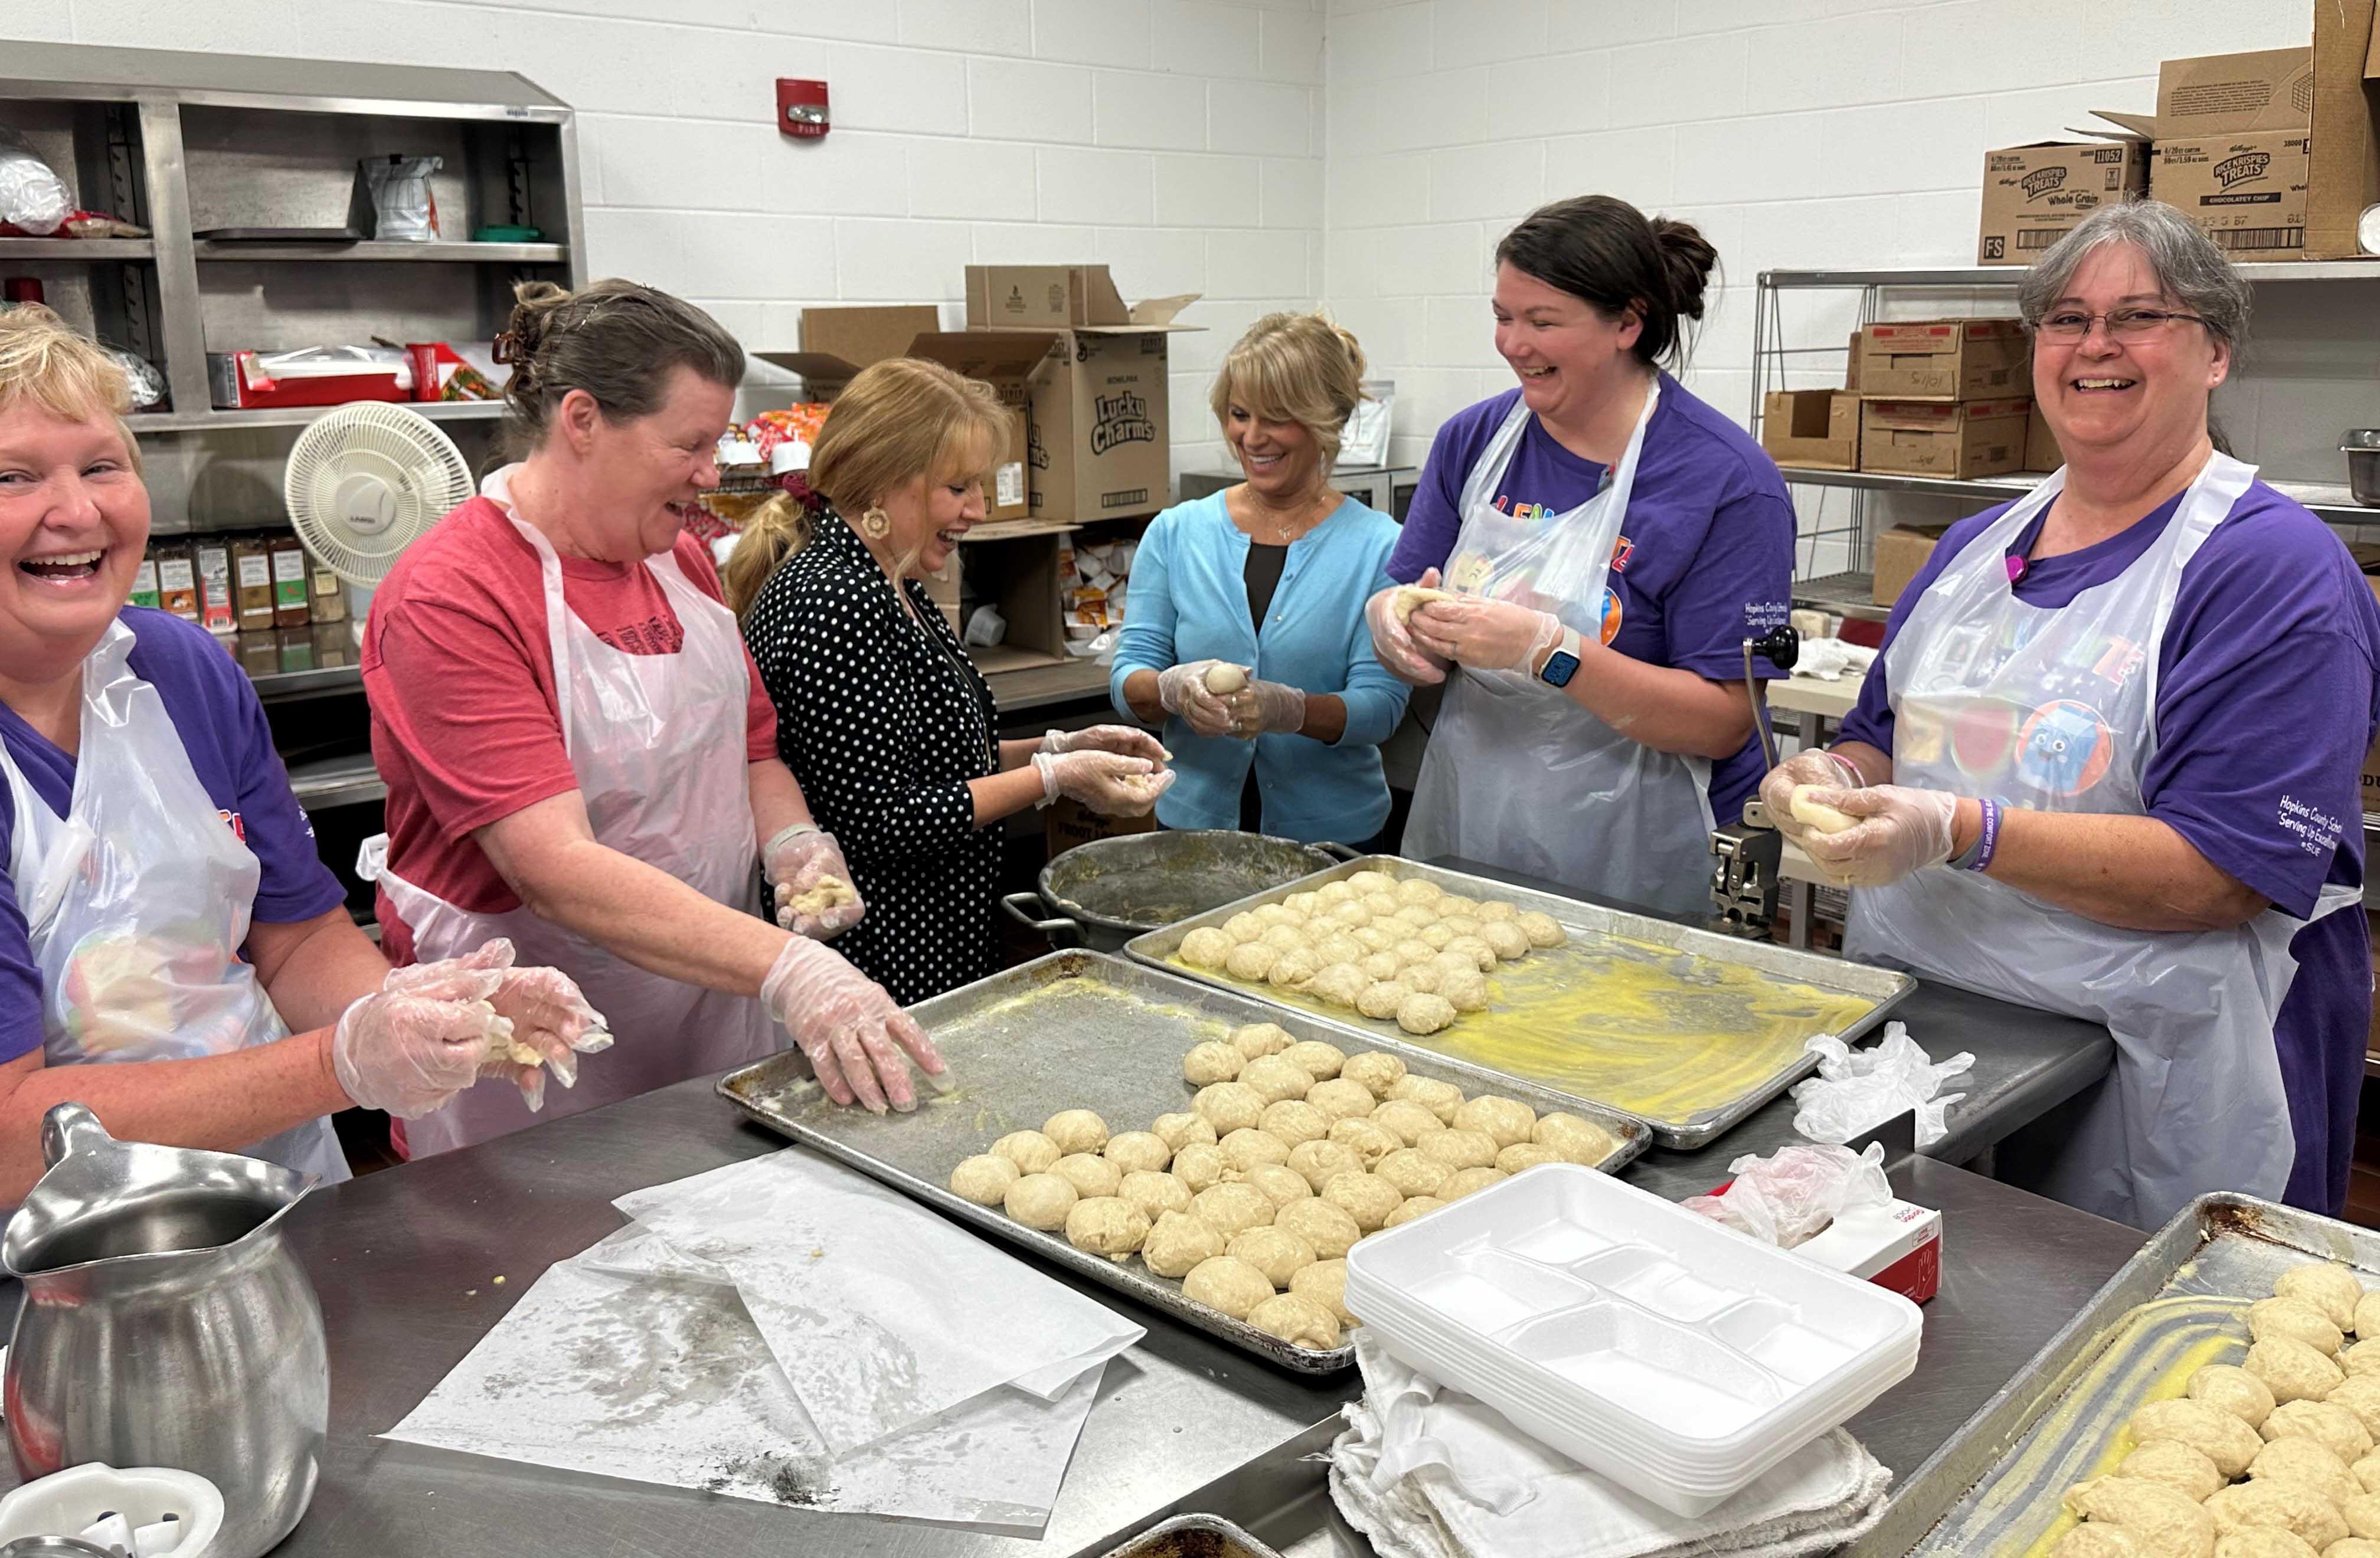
(1258, 520)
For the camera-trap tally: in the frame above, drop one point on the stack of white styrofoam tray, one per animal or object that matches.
(1672, 1355)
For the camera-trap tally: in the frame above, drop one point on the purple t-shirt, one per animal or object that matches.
(222, 728)
(2268, 701)
(1705, 550)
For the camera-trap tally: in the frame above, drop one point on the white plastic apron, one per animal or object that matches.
(658, 743)
(138, 902)
(1518, 775)
(2056, 710)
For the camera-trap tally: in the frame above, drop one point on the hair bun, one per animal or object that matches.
(1688, 259)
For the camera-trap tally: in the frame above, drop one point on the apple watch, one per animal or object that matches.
(1563, 664)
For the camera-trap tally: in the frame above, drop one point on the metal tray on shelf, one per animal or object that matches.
(1076, 1030)
(1192, 1535)
(1561, 1062)
(2178, 1305)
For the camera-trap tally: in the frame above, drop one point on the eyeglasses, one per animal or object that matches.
(2124, 324)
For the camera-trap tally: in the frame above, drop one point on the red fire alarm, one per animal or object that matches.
(801, 108)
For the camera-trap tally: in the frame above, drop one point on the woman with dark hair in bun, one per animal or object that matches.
(1605, 542)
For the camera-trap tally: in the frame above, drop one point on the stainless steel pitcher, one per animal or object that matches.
(166, 1323)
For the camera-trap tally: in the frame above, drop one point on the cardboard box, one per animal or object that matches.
(1060, 297)
(1020, 577)
(1814, 429)
(1959, 439)
(1943, 359)
(1900, 553)
(2041, 450)
(2035, 195)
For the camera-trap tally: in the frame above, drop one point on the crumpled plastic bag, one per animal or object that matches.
(1857, 1090)
(33, 199)
(1829, 660)
(1792, 1196)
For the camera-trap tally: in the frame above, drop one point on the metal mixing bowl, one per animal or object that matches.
(2363, 451)
(1108, 891)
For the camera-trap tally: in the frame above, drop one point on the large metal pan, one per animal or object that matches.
(1102, 894)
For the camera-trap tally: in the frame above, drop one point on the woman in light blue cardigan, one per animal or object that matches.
(1265, 582)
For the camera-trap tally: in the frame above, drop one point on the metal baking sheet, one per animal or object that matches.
(1562, 970)
(2178, 1305)
(1194, 1536)
(1077, 1030)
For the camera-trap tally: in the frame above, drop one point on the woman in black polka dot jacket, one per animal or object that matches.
(881, 716)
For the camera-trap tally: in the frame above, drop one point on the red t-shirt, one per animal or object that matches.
(466, 727)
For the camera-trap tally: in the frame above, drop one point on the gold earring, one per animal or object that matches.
(874, 523)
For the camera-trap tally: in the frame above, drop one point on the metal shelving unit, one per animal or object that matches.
(332, 252)
(68, 250)
(298, 415)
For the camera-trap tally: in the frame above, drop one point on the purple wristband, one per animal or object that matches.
(1988, 836)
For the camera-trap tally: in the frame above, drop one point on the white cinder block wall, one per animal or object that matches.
(1179, 140)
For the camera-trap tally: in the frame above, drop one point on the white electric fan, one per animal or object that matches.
(363, 483)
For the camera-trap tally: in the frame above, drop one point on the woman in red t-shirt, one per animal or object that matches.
(577, 750)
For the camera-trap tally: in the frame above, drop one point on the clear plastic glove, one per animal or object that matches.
(1815, 767)
(548, 1015)
(1182, 689)
(1484, 634)
(1108, 782)
(1128, 740)
(1857, 1090)
(1265, 708)
(800, 860)
(425, 1036)
(1895, 831)
(848, 1027)
(1393, 640)
(1795, 1193)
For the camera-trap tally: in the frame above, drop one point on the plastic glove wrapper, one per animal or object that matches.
(1834, 1207)
(1855, 1090)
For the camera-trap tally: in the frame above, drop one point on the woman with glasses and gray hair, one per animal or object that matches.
(2108, 763)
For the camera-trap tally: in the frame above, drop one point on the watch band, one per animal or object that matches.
(1569, 644)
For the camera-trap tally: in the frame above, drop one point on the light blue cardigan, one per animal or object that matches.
(1188, 600)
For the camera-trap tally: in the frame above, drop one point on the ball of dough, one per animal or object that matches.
(1413, 1206)
(1522, 1155)
(1199, 1166)
(2298, 1320)
(1494, 909)
(1211, 1062)
(1229, 1106)
(1463, 1181)
(1244, 927)
(1418, 889)
(1276, 1077)
(2362, 1515)
(1506, 939)
(1376, 939)
(2329, 1288)
(1338, 984)
(1299, 1321)
(1272, 914)
(2361, 1396)
(1425, 1012)
(1339, 1099)
(2274, 1501)
(1379, 968)
(1440, 1098)
(1106, 1226)
(1244, 1150)
(1184, 1129)
(1088, 1173)
(1578, 1140)
(1321, 1061)
(1324, 1283)
(2366, 1319)
(984, 1179)
(1377, 1070)
(1316, 1162)
(1460, 1149)
(1413, 950)
(1280, 1186)
(1233, 1207)
(1413, 1173)
(1076, 1130)
(1293, 1121)
(1406, 1120)
(1293, 968)
(1542, 930)
(2161, 1519)
(2326, 1422)
(2367, 1472)
(2267, 1542)
(1366, 1197)
(1028, 1150)
(1155, 1194)
(1508, 1120)
(1348, 915)
(1250, 961)
(1232, 1287)
(1322, 1223)
(1366, 1138)
(2293, 1371)
(1207, 948)
(1256, 1040)
(1462, 924)
(2233, 1390)
(1283, 936)
(1437, 934)
(2097, 1542)
(1371, 881)
(2349, 1546)
(1277, 1252)
(1131, 1150)
(2369, 1363)
(1381, 998)
(1334, 892)
(2306, 1461)
(1466, 990)
(1305, 905)
(1225, 678)
(1340, 948)
(1041, 1200)
(1455, 903)
(1483, 956)
(2176, 1465)
(2219, 1436)
(1416, 915)
(1422, 979)
(1177, 1243)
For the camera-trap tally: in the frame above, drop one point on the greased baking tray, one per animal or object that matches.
(1078, 1030)
(2178, 1305)
(1741, 1009)
(1194, 1536)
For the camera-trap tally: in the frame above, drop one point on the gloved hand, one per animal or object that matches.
(1129, 739)
(1266, 707)
(799, 859)
(1392, 641)
(548, 1015)
(1182, 689)
(1898, 830)
(848, 1026)
(423, 1037)
(1484, 634)
(1815, 767)
(1108, 782)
